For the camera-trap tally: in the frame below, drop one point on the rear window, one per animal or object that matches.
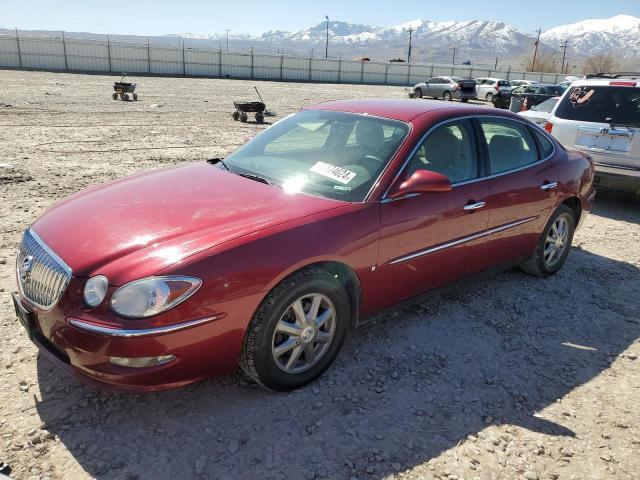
(601, 104)
(503, 83)
(554, 90)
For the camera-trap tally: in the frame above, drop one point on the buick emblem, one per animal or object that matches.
(25, 269)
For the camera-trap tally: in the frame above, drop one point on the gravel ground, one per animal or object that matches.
(514, 377)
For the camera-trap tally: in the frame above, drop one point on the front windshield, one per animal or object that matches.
(330, 154)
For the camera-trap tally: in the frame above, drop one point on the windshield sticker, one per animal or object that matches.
(579, 97)
(333, 172)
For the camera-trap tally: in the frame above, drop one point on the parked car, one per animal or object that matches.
(564, 85)
(268, 257)
(533, 94)
(487, 88)
(540, 113)
(517, 83)
(446, 88)
(600, 115)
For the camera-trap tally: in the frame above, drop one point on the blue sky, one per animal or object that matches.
(154, 17)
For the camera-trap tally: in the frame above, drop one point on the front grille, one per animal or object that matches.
(42, 275)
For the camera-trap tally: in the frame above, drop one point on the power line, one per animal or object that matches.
(564, 46)
(535, 52)
(411, 30)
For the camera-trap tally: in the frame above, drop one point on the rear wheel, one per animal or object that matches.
(489, 97)
(135, 96)
(297, 331)
(418, 92)
(446, 96)
(554, 244)
(243, 117)
(114, 96)
(464, 100)
(236, 115)
(259, 117)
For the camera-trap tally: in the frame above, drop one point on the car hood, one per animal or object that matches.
(139, 225)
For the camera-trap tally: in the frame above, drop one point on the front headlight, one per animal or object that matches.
(95, 290)
(153, 295)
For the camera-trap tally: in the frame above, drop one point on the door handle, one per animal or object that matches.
(548, 185)
(473, 206)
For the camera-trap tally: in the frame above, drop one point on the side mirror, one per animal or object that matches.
(422, 181)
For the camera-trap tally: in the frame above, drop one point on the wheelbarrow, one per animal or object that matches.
(124, 90)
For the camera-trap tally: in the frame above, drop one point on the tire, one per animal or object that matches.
(542, 265)
(446, 96)
(243, 117)
(418, 92)
(135, 97)
(114, 95)
(489, 97)
(259, 357)
(259, 117)
(464, 100)
(125, 97)
(236, 115)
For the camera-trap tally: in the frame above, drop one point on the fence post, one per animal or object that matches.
(18, 44)
(184, 63)
(386, 74)
(220, 62)
(361, 71)
(252, 60)
(431, 70)
(148, 57)
(109, 52)
(64, 50)
(509, 72)
(340, 69)
(310, 60)
(471, 73)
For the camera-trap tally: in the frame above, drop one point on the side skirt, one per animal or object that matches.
(439, 291)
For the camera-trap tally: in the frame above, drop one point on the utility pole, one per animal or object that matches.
(453, 60)
(227, 30)
(564, 46)
(326, 47)
(411, 30)
(535, 51)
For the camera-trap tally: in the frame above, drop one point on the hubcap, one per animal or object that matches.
(304, 333)
(556, 242)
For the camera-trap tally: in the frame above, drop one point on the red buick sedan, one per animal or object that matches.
(268, 257)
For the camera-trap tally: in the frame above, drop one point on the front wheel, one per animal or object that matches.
(554, 244)
(446, 96)
(297, 331)
(489, 97)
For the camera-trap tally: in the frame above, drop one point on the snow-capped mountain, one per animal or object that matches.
(619, 35)
(475, 40)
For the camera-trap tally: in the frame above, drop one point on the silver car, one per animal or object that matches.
(446, 88)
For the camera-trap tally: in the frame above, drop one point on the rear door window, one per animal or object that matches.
(601, 104)
(510, 145)
(504, 83)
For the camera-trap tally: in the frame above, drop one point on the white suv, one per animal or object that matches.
(488, 87)
(600, 115)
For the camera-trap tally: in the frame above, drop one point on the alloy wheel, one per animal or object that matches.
(556, 242)
(304, 333)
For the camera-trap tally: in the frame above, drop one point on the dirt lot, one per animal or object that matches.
(514, 377)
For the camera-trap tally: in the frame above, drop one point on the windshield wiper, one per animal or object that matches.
(219, 161)
(257, 178)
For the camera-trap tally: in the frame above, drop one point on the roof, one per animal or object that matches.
(603, 82)
(404, 110)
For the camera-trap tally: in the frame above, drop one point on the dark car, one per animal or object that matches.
(533, 94)
(268, 257)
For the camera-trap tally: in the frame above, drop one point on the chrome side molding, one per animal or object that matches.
(444, 246)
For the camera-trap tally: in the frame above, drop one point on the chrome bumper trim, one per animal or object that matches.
(128, 333)
(460, 241)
